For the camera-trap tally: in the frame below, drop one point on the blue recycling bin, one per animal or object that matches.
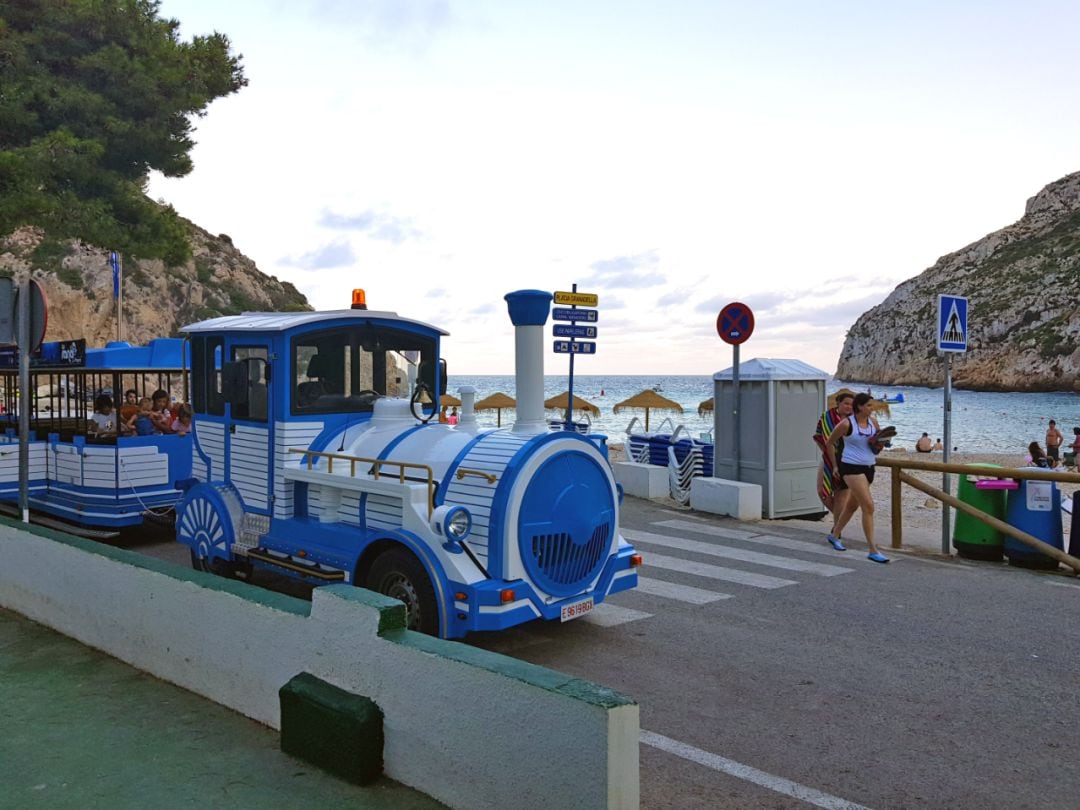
(1034, 507)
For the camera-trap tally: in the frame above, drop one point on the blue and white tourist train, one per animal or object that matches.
(316, 456)
(94, 482)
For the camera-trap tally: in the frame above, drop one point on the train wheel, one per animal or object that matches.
(398, 573)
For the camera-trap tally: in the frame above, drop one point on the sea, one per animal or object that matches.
(982, 422)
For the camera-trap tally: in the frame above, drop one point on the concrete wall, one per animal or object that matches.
(468, 727)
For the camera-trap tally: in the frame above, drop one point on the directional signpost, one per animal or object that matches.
(735, 324)
(573, 331)
(952, 336)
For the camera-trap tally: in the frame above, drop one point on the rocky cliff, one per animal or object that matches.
(158, 299)
(1023, 286)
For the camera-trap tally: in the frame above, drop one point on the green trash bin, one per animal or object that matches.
(972, 538)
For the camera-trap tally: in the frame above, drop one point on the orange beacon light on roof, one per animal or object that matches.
(359, 299)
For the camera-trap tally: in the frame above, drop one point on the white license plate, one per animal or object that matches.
(576, 609)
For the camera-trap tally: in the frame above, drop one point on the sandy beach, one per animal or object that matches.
(920, 514)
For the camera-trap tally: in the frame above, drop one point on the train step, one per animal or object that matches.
(291, 563)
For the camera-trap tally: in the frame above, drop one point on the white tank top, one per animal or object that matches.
(857, 444)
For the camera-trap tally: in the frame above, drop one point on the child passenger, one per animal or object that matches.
(142, 422)
(182, 423)
(103, 420)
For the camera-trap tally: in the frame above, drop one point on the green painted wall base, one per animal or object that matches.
(338, 731)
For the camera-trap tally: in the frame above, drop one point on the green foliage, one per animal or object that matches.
(95, 95)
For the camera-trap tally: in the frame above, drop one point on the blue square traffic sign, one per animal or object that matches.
(952, 323)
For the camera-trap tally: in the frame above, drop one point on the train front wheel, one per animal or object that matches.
(399, 574)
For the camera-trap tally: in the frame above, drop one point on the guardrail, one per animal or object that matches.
(1030, 474)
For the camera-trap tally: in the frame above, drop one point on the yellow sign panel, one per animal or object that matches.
(577, 299)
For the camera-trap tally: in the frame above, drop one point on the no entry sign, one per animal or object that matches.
(735, 323)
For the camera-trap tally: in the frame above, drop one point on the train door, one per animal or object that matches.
(248, 422)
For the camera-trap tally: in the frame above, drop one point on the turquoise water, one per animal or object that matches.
(981, 422)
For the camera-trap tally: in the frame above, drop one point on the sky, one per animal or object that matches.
(671, 157)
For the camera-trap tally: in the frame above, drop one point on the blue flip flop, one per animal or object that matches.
(877, 557)
(835, 543)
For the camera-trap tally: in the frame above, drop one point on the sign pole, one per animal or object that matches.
(570, 390)
(735, 449)
(23, 343)
(952, 336)
(945, 453)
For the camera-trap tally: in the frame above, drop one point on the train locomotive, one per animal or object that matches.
(315, 455)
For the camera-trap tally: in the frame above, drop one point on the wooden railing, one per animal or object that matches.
(899, 466)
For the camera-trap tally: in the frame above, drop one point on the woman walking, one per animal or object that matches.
(857, 469)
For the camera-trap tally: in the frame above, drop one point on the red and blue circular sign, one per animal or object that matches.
(735, 323)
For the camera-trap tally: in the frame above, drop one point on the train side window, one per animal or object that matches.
(206, 359)
(254, 407)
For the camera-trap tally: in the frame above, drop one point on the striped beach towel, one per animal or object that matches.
(828, 421)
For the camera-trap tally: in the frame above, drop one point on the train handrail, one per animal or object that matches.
(376, 464)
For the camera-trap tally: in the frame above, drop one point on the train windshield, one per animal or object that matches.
(345, 370)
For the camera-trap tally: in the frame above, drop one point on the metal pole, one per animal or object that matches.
(735, 450)
(570, 391)
(23, 342)
(945, 477)
(120, 299)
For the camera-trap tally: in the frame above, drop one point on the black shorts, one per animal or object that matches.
(858, 469)
(838, 483)
(1053, 452)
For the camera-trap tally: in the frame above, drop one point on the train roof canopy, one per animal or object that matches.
(284, 321)
(163, 353)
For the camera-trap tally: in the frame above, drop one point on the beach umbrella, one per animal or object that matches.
(496, 402)
(648, 400)
(559, 402)
(449, 401)
(705, 407)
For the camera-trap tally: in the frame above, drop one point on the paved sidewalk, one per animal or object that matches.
(79, 729)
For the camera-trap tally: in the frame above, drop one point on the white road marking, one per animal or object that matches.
(700, 547)
(747, 773)
(608, 615)
(1055, 584)
(761, 539)
(680, 593)
(715, 572)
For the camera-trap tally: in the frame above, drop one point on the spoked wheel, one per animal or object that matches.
(398, 574)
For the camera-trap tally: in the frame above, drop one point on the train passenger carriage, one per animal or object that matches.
(95, 482)
(316, 455)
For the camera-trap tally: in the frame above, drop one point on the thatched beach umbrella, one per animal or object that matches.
(496, 402)
(648, 400)
(449, 401)
(706, 407)
(559, 402)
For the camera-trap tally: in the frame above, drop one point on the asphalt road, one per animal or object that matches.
(774, 672)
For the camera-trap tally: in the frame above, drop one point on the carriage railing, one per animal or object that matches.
(376, 464)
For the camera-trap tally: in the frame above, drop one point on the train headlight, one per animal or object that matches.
(453, 523)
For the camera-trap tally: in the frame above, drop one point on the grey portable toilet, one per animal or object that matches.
(780, 404)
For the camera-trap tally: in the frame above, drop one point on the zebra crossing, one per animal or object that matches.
(661, 549)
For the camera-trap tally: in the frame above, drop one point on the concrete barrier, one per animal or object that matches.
(642, 480)
(469, 727)
(723, 497)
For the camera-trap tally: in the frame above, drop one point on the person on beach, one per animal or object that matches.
(856, 466)
(831, 487)
(924, 445)
(453, 417)
(1038, 457)
(1053, 443)
(938, 446)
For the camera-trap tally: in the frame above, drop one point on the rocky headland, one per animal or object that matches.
(1023, 288)
(158, 298)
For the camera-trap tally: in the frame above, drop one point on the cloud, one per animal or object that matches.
(627, 272)
(374, 225)
(384, 23)
(485, 309)
(336, 254)
(841, 315)
(437, 292)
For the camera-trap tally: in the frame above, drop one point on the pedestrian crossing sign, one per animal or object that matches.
(952, 323)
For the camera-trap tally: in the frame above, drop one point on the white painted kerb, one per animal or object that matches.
(470, 728)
